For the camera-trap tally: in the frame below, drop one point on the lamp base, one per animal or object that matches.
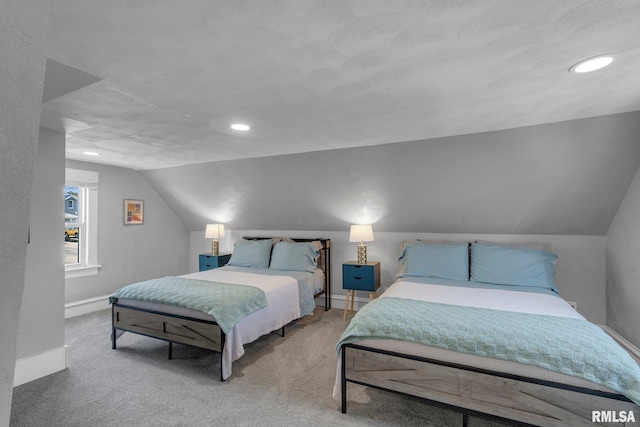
(362, 254)
(214, 247)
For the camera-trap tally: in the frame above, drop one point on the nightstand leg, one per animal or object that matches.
(353, 299)
(346, 305)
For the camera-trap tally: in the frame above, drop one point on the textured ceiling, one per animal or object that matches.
(170, 76)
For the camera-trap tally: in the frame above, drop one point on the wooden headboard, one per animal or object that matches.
(324, 262)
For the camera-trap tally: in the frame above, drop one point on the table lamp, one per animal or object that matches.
(361, 233)
(215, 232)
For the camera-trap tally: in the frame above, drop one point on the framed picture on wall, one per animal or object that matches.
(133, 211)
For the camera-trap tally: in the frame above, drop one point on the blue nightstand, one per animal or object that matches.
(208, 261)
(359, 277)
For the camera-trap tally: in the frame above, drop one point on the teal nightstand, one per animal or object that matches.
(359, 277)
(208, 261)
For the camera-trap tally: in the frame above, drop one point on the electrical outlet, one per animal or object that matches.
(573, 304)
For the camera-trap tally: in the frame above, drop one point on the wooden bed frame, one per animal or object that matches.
(197, 332)
(537, 402)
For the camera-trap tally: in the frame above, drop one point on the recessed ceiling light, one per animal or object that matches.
(90, 153)
(592, 64)
(240, 126)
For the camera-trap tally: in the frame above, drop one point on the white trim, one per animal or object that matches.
(73, 272)
(82, 177)
(338, 301)
(31, 368)
(86, 306)
(89, 305)
(87, 183)
(623, 342)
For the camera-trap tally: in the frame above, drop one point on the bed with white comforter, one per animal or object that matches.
(505, 299)
(225, 308)
(282, 292)
(488, 335)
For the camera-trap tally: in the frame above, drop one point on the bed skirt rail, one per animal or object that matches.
(168, 327)
(506, 396)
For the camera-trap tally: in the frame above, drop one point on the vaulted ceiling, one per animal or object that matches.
(156, 84)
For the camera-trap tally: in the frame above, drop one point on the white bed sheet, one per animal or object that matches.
(282, 307)
(498, 299)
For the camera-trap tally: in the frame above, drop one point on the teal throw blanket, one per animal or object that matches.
(227, 303)
(573, 347)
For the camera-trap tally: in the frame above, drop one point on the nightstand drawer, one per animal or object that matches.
(362, 271)
(358, 283)
(208, 261)
(361, 277)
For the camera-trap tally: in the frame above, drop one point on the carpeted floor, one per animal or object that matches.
(278, 382)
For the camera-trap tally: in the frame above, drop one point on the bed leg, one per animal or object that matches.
(113, 328)
(222, 340)
(465, 418)
(327, 278)
(343, 382)
(170, 350)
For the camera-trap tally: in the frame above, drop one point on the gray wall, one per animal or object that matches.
(564, 178)
(579, 274)
(130, 253)
(623, 271)
(43, 301)
(557, 181)
(23, 28)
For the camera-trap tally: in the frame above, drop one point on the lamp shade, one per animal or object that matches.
(361, 233)
(214, 231)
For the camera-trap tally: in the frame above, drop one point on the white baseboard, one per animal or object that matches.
(635, 352)
(89, 305)
(338, 302)
(31, 368)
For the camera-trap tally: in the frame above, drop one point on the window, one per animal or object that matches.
(80, 223)
(73, 225)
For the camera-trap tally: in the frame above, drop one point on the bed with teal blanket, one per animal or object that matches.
(545, 365)
(227, 303)
(480, 326)
(222, 309)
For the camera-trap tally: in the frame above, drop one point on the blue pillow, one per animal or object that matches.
(298, 256)
(504, 265)
(446, 261)
(251, 253)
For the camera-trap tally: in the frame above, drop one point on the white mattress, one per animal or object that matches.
(498, 299)
(282, 307)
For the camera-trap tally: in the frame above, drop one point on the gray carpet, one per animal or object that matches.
(278, 382)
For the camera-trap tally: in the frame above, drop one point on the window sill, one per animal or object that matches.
(73, 272)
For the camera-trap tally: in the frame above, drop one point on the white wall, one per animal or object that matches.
(623, 267)
(41, 331)
(127, 253)
(580, 270)
(130, 253)
(23, 30)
